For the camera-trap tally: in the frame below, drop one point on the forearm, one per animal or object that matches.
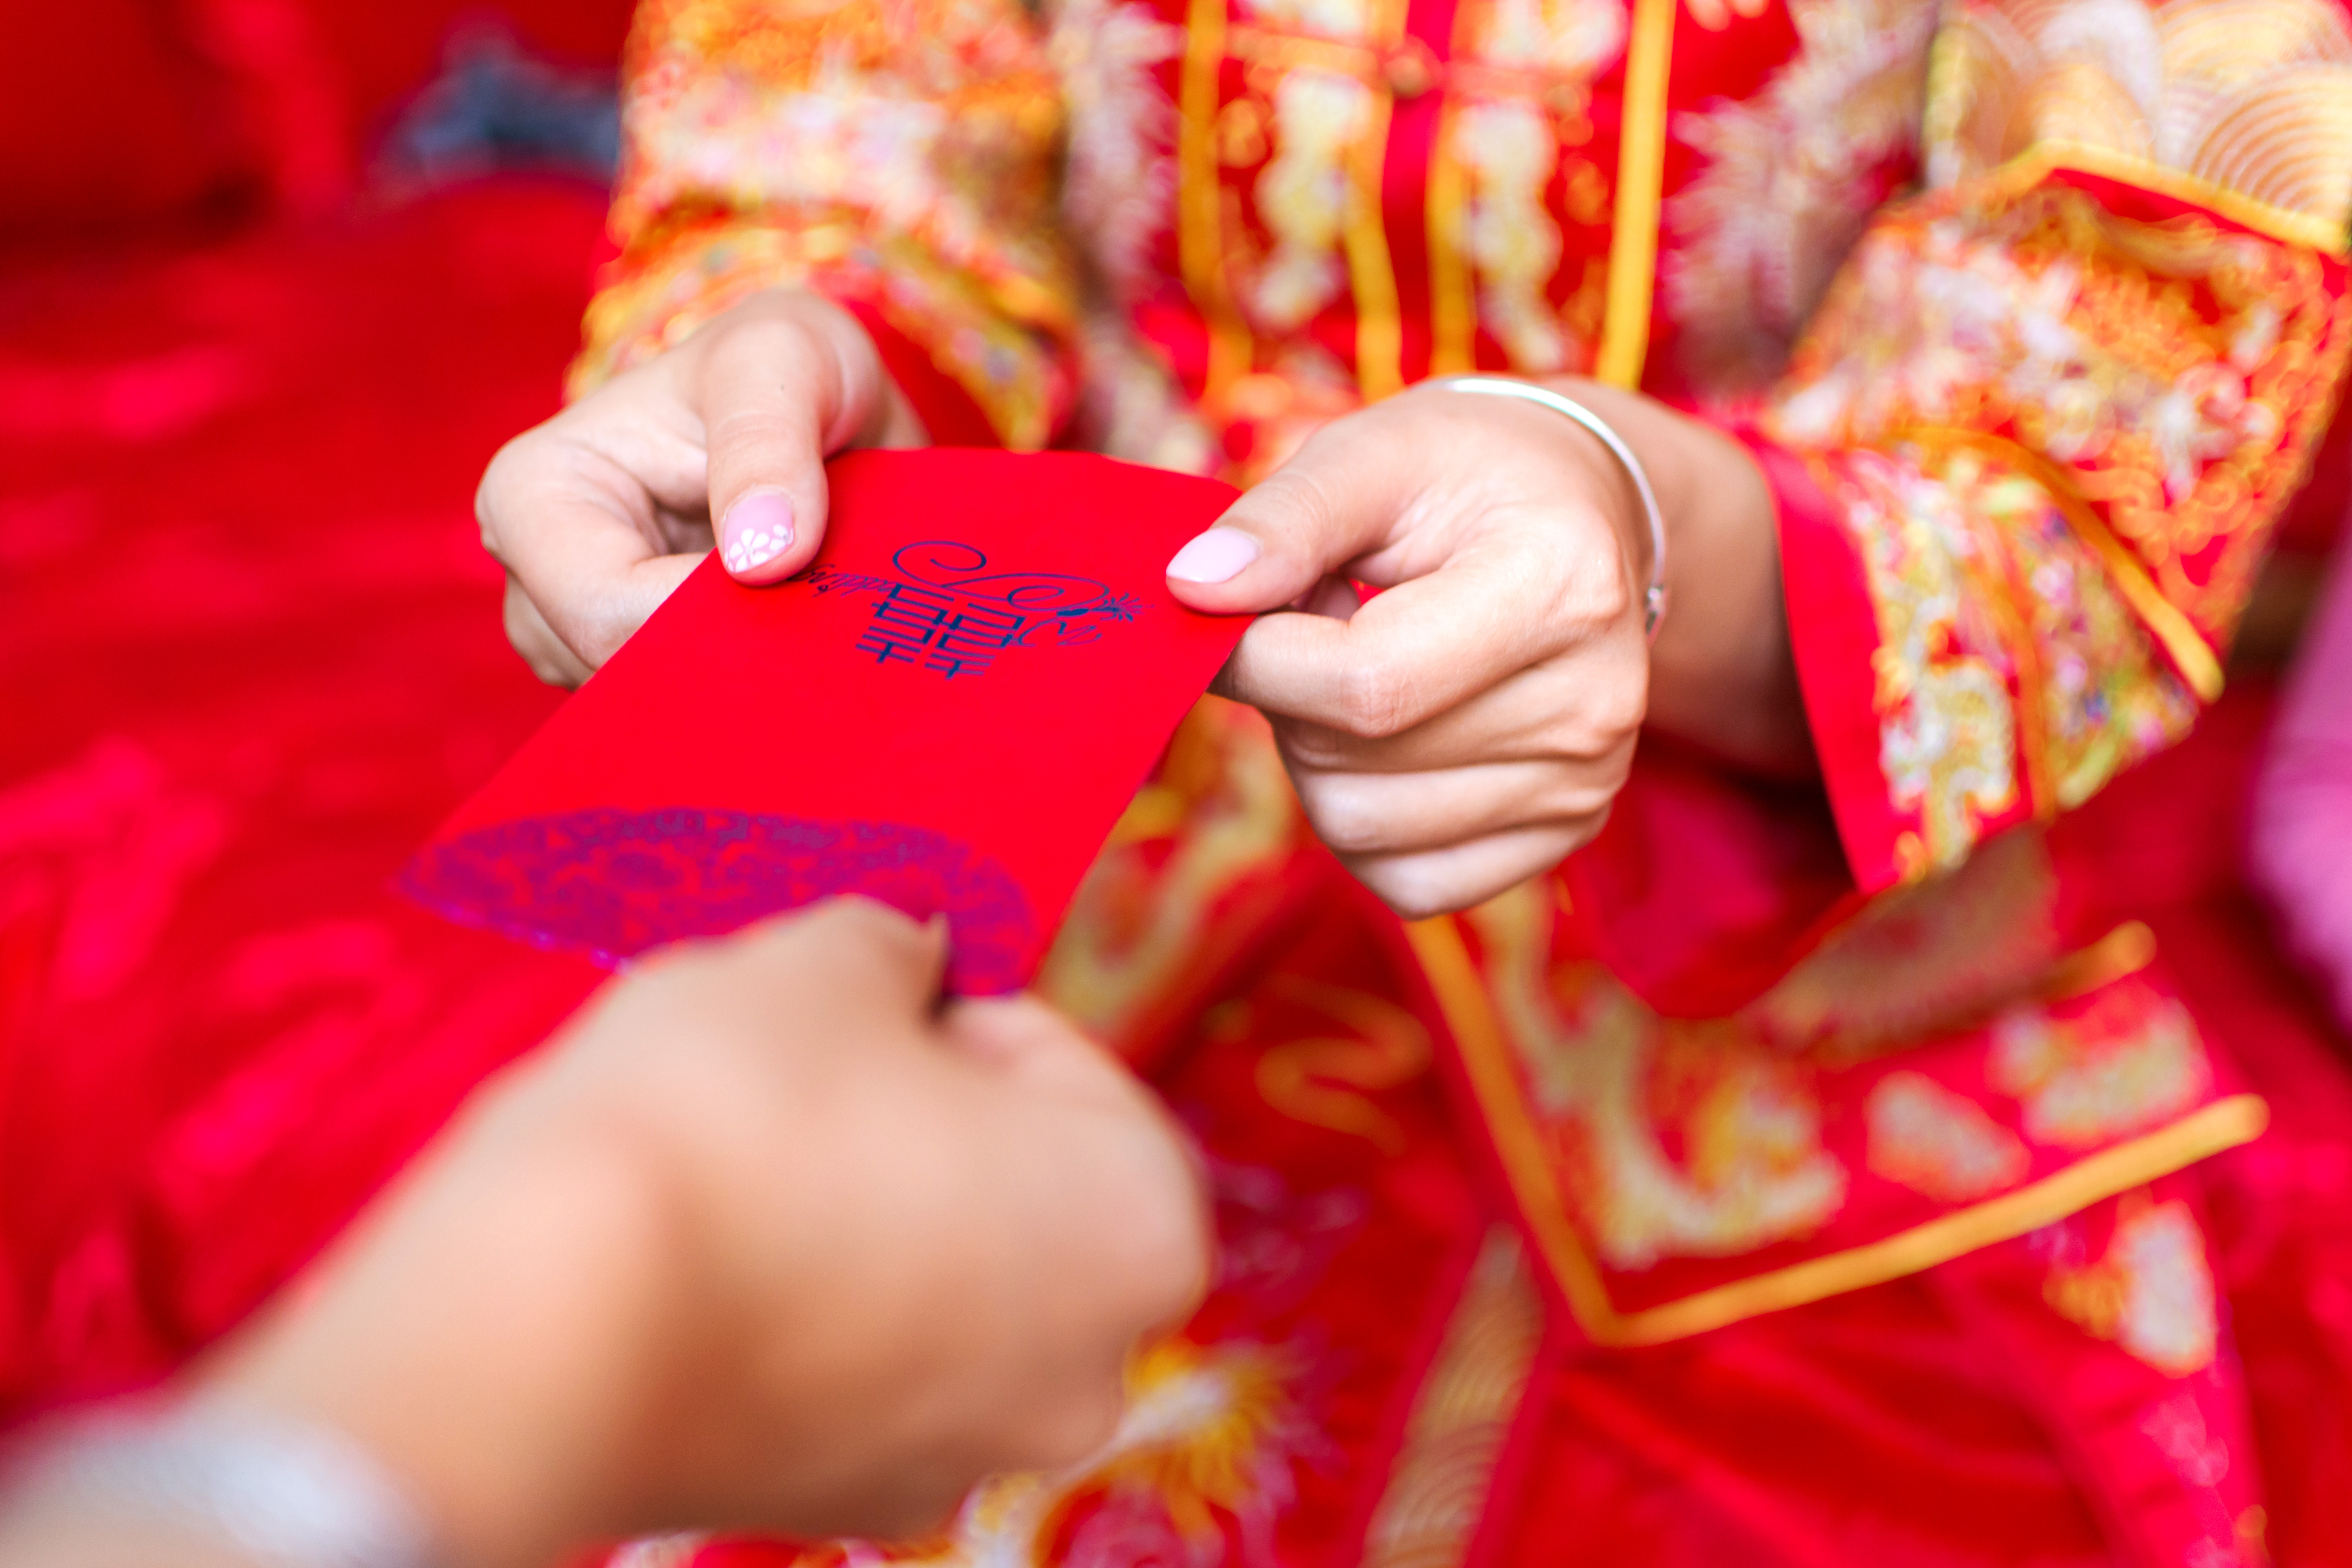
(486, 1349)
(496, 1342)
(1721, 672)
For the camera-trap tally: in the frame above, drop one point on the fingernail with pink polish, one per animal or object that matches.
(756, 530)
(1217, 557)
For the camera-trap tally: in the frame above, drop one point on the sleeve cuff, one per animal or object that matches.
(1833, 637)
(1704, 888)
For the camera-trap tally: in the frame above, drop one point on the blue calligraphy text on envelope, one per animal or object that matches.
(942, 609)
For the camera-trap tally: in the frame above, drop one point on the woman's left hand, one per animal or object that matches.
(1469, 725)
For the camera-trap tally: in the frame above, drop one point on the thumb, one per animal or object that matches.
(845, 959)
(1026, 1040)
(779, 391)
(1325, 508)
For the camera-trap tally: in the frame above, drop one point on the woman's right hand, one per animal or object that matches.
(601, 512)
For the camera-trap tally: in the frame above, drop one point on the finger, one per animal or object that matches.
(1047, 1060)
(1028, 1041)
(1333, 596)
(1336, 502)
(579, 533)
(1508, 599)
(533, 637)
(847, 957)
(777, 390)
(1573, 705)
(1439, 881)
(1387, 813)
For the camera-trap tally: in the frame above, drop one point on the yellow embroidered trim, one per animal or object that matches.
(2224, 1124)
(1371, 274)
(2126, 949)
(1328, 1080)
(1641, 174)
(1380, 328)
(2165, 620)
(2033, 704)
(1198, 221)
(2037, 162)
(1461, 996)
(1453, 294)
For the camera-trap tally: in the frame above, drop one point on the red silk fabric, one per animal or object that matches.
(251, 656)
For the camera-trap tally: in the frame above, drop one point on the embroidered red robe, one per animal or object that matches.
(2032, 313)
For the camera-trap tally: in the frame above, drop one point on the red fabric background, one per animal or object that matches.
(118, 114)
(251, 655)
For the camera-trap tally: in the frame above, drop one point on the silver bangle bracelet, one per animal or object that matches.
(281, 1492)
(1654, 603)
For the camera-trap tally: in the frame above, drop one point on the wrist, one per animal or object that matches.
(1722, 673)
(496, 1341)
(1617, 483)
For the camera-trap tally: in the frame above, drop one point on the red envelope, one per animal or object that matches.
(946, 713)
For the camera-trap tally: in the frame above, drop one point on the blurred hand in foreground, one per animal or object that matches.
(760, 1240)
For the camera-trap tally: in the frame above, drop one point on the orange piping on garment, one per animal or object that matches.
(1469, 1016)
(1200, 220)
(2166, 621)
(1640, 177)
(2037, 163)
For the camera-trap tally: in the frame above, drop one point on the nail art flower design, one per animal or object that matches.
(756, 547)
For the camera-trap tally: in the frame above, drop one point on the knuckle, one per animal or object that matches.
(765, 331)
(1317, 748)
(1408, 888)
(506, 473)
(1615, 709)
(1375, 699)
(600, 636)
(1584, 796)
(1343, 819)
(1580, 569)
(759, 427)
(1602, 594)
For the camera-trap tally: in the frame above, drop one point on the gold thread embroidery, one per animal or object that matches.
(1329, 1082)
(2119, 1067)
(1937, 1142)
(1437, 1488)
(1470, 1019)
(2244, 99)
(2152, 1294)
(1151, 913)
(2182, 642)
(1672, 1137)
